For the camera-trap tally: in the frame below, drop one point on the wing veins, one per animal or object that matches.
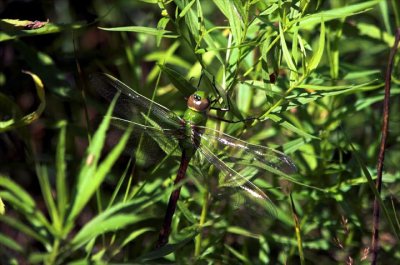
(235, 177)
(107, 86)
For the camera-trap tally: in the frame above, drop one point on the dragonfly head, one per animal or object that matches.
(199, 101)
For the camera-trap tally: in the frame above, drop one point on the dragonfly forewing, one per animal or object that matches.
(131, 105)
(148, 144)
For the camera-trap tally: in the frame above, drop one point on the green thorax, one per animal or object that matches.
(194, 117)
(196, 114)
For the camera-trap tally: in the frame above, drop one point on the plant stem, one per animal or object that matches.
(203, 216)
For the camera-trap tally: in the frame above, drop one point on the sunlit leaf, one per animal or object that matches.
(14, 28)
(16, 122)
(2, 207)
(145, 30)
(317, 56)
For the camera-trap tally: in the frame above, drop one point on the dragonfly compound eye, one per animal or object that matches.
(196, 97)
(198, 103)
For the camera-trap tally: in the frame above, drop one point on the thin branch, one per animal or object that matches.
(381, 157)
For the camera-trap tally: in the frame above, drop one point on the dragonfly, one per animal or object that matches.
(237, 162)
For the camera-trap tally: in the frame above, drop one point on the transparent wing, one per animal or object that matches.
(149, 144)
(133, 106)
(239, 164)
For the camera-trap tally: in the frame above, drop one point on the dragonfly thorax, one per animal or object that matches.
(194, 116)
(196, 113)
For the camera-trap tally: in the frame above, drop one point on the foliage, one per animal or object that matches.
(311, 72)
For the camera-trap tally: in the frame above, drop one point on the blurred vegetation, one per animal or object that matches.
(312, 71)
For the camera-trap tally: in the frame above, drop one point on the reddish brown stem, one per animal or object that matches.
(381, 156)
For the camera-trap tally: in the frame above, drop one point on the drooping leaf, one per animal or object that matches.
(15, 122)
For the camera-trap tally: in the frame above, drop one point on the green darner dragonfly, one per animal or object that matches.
(237, 161)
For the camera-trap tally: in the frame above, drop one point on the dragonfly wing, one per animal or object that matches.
(131, 105)
(236, 186)
(147, 141)
(240, 163)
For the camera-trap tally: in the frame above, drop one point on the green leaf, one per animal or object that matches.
(375, 191)
(178, 80)
(241, 231)
(61, 168)
(243, 258)
(290, 127)
(91, 174)
(46, 188)
(2, 207)
(235, 20)
(317, 56)
(167, 249)
(25, 23)
(186, 212)
(329, 91)
(37, 232)
(29, 118)
(11, 244)
(109, 220)
(335, 13)
(375, 32)
(162, 24)
(286, 54)
(186, 8)
(18, 192)
(161, 33)
(135, 234)
(230, 10)
(14, 28)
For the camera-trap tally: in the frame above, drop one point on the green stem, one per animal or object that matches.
(297, 231)
(203, 216)
(54, 253)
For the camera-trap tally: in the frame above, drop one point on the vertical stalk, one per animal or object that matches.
(203, 216)
(382, 149)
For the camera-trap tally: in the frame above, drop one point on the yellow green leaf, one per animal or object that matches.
(2, 207)
(15, 122)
